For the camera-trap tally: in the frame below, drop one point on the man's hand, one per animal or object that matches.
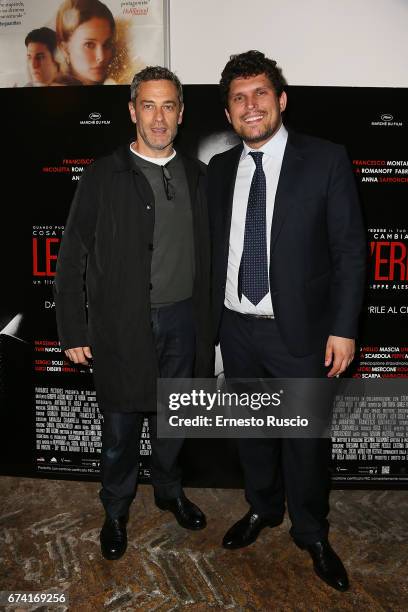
(81, 354)
(339, 352)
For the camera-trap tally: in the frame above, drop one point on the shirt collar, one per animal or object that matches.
(275, 147)
(158, 161)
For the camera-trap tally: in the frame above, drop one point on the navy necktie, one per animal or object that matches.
(253, 271)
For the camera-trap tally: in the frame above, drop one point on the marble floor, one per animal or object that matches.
(49, 541)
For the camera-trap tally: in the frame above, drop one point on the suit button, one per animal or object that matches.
(150, 286)
(150, 247)
(148, 206)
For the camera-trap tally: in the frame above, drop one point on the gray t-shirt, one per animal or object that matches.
(172, 269)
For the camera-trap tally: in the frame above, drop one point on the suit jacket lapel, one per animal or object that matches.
(287, 187)
(192, 173)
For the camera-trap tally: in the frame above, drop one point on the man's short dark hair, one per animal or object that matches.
(46, 36)
(248, 64)
(155, 73)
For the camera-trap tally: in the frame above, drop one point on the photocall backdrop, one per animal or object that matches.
(50, 419)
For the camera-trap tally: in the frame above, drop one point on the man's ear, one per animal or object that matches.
(283, 100)
(132, 111)
(228, 115)
(180, 115)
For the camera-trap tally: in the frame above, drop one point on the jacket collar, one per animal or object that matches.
(122, 159)
(193, 168)
(123, 162)
(288, 186)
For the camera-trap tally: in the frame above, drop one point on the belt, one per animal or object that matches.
(254, 316)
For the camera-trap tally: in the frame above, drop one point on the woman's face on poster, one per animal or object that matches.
(90, 51)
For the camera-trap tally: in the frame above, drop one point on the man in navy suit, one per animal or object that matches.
(288, 278)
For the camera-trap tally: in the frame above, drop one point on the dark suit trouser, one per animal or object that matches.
(253, 348)
(174, 335)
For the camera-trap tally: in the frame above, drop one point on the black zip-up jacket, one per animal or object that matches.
(104, 260)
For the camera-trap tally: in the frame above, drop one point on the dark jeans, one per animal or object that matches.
(295, 468)
(173, 330)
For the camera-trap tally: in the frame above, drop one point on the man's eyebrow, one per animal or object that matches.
(144, 101)
(237, 93)
(242, 93)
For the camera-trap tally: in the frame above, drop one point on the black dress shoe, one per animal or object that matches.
(247, 529)
(187, 514)
(327, 564)
(113, 538)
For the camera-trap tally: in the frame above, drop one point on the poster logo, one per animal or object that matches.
(387, 120)
(95, 119)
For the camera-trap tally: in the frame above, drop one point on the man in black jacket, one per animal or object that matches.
(288, 278)
(138, 233)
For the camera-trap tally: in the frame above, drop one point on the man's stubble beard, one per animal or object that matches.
(265, 135)
(259, 137)
(156, 146)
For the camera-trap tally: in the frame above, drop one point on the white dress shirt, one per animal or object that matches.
(272, 158)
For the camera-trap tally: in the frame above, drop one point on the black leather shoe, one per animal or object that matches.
(113, 538)
(327, 564)
(247, 529)
(187, 514)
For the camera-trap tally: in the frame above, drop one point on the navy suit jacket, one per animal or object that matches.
(318, 245)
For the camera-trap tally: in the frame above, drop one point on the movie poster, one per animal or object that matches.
(50, 135)
(373, 125)
(382, 175)
(79, 42)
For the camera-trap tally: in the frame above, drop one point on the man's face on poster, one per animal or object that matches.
(41, 65)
